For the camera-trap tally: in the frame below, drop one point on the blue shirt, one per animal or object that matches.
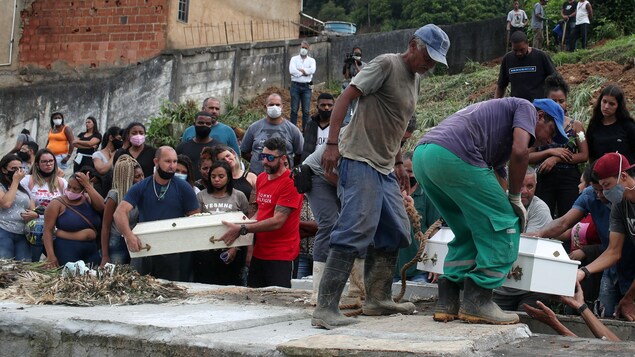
(221, 132)
(175, 202)
(588, 202)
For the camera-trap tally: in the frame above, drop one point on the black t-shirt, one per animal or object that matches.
(619, 136)
(83, 137)
(145, 159)
(568, 9)
(623, 221)
(193, 150)
(526, 75)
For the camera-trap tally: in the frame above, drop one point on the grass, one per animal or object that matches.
(621, 50)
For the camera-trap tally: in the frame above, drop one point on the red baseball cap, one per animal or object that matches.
(610, 165)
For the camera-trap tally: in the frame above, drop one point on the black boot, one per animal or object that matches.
(327, 312)
(447, 308)
(379, 270)
(478, 307)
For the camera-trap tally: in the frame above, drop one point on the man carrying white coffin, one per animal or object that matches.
(277, 238)
(159, 197)
(459, 163)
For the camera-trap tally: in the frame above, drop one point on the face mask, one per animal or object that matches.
(24, 156)
(164, 174)
(303, 52)
(274, 112)
(413, 181)
(117, 144)
(325, 114)
(45, 174)
(137, 140)
(9, 174)
(72, 195)
(202, 131)
(181, 176)
(57, 121)
(357, 58)
(614, 194)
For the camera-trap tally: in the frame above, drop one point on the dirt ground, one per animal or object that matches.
(623, 75)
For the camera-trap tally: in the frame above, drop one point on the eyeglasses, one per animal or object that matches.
(269, 157)
(47, 162)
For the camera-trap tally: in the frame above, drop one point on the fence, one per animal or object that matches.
(226, 33)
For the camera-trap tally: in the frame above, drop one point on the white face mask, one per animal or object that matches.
(304, 51)
(181, 176)
(357, 58)
(57, 121)
(274, 111)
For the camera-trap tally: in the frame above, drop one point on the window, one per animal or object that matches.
(184, 6)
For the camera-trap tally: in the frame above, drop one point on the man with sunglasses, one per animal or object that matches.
(277, 230)
(373, 220)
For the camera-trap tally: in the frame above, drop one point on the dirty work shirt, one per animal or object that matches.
(388, 101)
(283, 243)
(179, 199)
(228, 203)
(481, 134)
(260, 131)
(526, 75)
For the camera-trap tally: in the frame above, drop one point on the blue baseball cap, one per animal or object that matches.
(555, 111)
(436, 40)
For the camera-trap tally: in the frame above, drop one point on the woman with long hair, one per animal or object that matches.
(43, 185)
(75, 217)
(59, 140)
(185, 171)
(244, 181)
(112, 141)
(126, 173)
(86, 143)
(558, 165)
(611, 127)
(221, 267)
(135, 135)
(16, 208)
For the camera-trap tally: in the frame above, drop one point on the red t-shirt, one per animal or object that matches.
(283, 243)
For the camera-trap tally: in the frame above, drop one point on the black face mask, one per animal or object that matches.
(9, 174)
(164, 174)
(45, 174)
(413, 181)
(24, 156)
(117, 144)
(202, 131)
(325, 114)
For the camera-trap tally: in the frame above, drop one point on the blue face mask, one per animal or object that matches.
(181, 176)
(614, 194)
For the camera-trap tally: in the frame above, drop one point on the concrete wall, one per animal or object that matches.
(227, 72)
(216, 22)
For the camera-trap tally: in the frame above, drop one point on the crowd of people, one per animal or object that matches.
(332, 195)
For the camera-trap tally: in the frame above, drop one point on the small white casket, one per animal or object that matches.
(542, 265)
(188, 234)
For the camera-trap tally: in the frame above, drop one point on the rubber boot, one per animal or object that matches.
(378, 275)
(327, 312)
(318, 269)
(356, 282)
(479, 308)
(447, 308)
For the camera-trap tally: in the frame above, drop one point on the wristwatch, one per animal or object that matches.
(586, 272)
(243, 230)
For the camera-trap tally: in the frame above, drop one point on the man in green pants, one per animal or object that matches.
(460, 164)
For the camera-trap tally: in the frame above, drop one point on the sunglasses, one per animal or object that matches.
(269, 157)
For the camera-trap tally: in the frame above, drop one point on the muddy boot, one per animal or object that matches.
(447, 308)
(478, 307)
(356, 282)
(336, 271)
(378, 274)
(318, 269)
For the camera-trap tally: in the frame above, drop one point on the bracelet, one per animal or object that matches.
(330, 143)
(586, 272)
(398, 163)
(582, 308)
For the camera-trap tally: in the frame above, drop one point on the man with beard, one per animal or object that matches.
(277, 241)
(193, 147)
(220, 132)
(158, 197)
(317, 130)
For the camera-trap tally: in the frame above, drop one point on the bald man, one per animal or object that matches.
(155, 198)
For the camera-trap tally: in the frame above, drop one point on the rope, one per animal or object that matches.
(422, 238)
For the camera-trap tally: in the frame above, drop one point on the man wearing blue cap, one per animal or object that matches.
(373, 220)
(460, 164)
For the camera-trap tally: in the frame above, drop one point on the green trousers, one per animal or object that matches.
(472, 202)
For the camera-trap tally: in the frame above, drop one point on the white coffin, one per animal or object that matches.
(542, 265)
(188, 234)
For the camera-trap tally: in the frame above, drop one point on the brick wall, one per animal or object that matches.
(92, 33)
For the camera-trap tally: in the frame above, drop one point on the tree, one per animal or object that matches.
(332, 12)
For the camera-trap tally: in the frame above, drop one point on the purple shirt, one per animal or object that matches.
(482, 134)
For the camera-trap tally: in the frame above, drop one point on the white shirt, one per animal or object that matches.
(307, 63)
(582, 14)
(322, 135)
